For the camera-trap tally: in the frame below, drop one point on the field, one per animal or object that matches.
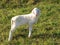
(45, 32)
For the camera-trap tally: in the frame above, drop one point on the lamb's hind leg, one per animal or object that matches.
(10, 33)
(13, 27)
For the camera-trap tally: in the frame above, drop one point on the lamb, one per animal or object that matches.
(29, 19)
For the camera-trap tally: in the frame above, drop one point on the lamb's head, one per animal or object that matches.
(36, 11)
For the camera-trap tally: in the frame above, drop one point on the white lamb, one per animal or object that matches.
(29, 19)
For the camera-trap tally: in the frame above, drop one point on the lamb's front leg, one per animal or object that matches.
(30, 30)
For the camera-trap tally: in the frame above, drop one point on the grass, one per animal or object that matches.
(45, 32)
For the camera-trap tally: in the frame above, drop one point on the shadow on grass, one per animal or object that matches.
(19, 35)
(23, 34)
(42, 36)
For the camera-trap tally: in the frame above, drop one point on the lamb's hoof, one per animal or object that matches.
(9, 40)
(29, 36)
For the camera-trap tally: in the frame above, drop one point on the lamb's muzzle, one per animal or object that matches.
(29, 19)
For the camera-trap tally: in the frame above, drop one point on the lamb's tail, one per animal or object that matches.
(12, 22)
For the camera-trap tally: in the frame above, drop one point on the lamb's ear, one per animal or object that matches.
(34, 12)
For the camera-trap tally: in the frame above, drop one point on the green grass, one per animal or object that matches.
(45, 32)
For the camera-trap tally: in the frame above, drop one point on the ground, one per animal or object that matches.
(45, 32)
